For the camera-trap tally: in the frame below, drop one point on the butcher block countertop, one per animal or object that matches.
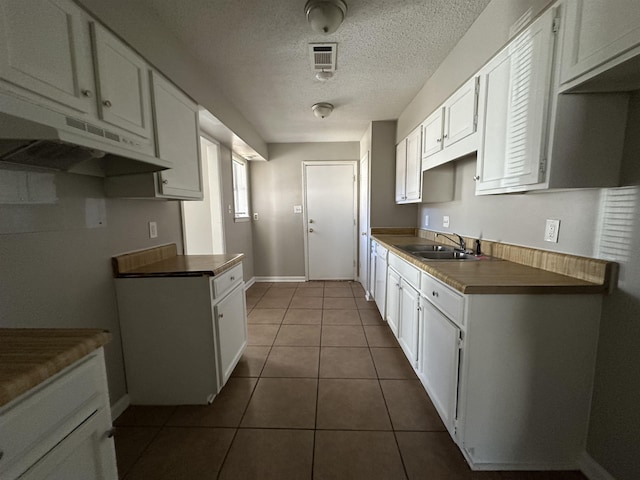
(29, 356)
(494, 275)
(164, 261)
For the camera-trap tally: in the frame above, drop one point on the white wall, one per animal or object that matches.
(276, 186)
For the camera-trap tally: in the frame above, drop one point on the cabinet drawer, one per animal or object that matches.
(225, 281)
(42, 418)
(444, 298)
(407, 271)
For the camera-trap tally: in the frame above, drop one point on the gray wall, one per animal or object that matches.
(55, 267)
(614, 432)
(276, 186)
(238, 236)
(379, 141)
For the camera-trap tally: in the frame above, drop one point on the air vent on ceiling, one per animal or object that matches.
(323, 56)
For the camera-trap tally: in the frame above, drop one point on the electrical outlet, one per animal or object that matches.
(255, 215)
(153, 230)
(426, 220)
(445, 221)
(551, 230)
(297, 209)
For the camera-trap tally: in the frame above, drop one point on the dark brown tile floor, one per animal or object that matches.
(323, 391)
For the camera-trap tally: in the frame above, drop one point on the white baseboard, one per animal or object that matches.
(592, 469)
(280, 279)
(248, 284)
(120, 406)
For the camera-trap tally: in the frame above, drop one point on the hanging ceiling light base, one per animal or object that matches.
(325, 16)
(322, 109)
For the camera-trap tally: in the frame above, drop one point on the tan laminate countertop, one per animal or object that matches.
(490, 276)
(185, 265)
(29, 356)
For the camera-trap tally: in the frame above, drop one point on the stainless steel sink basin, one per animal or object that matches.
(445, 255)
(425, 248)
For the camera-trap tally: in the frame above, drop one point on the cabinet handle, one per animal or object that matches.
(107, 103)
(434, 293)
(446, 135)
(311, 230)
(165, 181)
(232, 278)
(438, 140)
(111, 432)
(476, 178)
(87, 93)
(364, 234)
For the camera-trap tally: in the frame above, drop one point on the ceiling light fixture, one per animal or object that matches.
(325, 16)
(322, 109)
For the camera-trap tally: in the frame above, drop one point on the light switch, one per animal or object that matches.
(153, 230)
(297, 209)
(445, 221)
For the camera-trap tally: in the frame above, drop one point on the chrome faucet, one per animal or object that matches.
(461, 242)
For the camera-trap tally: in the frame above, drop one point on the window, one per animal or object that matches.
(240, 192)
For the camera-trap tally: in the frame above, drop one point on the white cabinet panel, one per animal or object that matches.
(177, 140)
(232, 327)
(432, 133)
(123, 84)
(380, 290)
(597, 31)
(409, 320)
(401, 171)
(460, 113)
(439, 362)
(409, 168)
(45, 48)
(515, 103)
(393, 300)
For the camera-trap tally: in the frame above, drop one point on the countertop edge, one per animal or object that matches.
(238, 258)
(37, 373)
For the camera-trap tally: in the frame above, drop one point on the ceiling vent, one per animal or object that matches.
(323, 56)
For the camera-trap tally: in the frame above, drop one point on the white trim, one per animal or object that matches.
(279, 279)
(592, 469)
(248, 284)
(120, 406)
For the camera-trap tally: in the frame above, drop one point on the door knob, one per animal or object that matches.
(311, 230)
(364, 234)
(310, 221)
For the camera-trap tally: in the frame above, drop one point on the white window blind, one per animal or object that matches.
(617, 223)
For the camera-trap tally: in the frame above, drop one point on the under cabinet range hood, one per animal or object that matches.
(32, 137)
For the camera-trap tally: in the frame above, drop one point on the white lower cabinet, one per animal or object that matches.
(381, 284)
(393, 301)
(409, 309)
(61, 429)
(181, 336)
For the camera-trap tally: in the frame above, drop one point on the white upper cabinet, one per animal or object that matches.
(177, 140)
(45, 49)
(447, 127)
(596, 32)
(515, 98)
(432, 133)
(123, 84)
(409, 168)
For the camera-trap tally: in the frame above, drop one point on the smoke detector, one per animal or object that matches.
(323, 59)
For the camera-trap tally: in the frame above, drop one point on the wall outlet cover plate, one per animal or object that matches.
(551, 230)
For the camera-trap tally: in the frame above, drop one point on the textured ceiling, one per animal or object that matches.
(257, 51)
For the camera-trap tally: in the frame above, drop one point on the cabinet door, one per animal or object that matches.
(380, 295)
(44, 48)
(372, 270)
(439, 362)
(122, 78)
(413, 180)
(401, 171)
(393, 300)
(87, 452)
(461, 113)
(231, 331)
(177, 140)
(408, 319)
(515, 87)
(597, 31)
(432, 133)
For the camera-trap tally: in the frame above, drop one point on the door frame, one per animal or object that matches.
(305, 216)
(364, 210)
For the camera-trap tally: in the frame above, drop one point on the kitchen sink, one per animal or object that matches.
(436, 252)
(444, 255)
(425, 248)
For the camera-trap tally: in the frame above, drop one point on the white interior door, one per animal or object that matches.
(363, 213)
(330, 220)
